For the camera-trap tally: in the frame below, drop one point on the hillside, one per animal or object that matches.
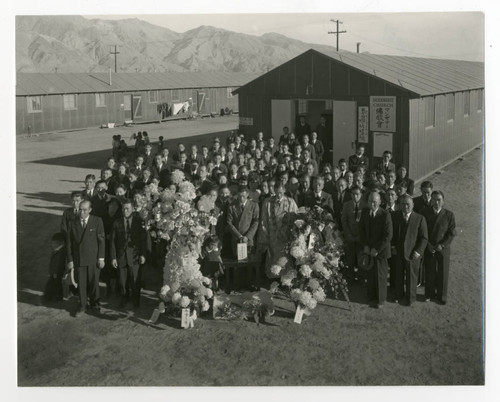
(77, 44)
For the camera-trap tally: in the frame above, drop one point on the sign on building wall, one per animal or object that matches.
(381, 142)
(383, 113)
(363, 124)
(246, 121)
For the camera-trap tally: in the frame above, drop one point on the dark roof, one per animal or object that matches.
(66, 83)
(421, 76)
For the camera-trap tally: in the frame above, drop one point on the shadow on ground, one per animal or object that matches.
(97, 159)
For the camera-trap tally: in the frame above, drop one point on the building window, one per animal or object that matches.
(69, 102)
(466, 103)
(34, 104)
(229, 92)
(100, 100)
(153, 96)
(302, 106)
(450, 107)
(430, 111)
(176, 97)
(480, 100)
(127, 102)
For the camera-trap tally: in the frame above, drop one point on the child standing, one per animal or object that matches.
(57, 267)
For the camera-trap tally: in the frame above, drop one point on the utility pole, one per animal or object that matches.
(337, 32)
(115, 53)
(357, 46)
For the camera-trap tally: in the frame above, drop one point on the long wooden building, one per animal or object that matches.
(427, 112)
(56, 102)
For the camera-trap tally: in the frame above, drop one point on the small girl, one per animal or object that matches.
(211, 262)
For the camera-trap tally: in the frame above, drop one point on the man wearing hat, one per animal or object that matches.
(375, 234)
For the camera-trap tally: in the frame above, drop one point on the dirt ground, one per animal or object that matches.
(423, 345)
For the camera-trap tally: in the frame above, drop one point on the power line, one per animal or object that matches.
(337, 32)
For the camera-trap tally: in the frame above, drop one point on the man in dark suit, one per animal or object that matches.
(303, 128)
(89, 191)
(129, 245)
(194, 156)
(319, 198)
(358, 159)
(219, 165)
(386, 165)
(85, 247)
(148, 156)
(402, 177)
(409, 241)
(420, 205)
(158, 167)
(441, 227)
(183, 164)
(71, 214)
(423, 201)
(243, 220)
(340, 197)
(100, 199)
(111, 182)
(351, 214)
(375, 234)
(166, 159)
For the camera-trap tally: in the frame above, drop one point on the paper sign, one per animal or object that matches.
(246, 121)
(383, 113)
(242, 251)
(311, 242)
(299, 313)
(363, 124)
(185, 315)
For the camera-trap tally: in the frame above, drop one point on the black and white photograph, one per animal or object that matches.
(287, 196)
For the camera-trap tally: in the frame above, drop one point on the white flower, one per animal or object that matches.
(176, 298)
(209, 293)
(184, 302)
(335, 261)
(311, 304)
(288, 277)
(305, 298)
(275, 269)
(212, 220)
(306, 270)
(295, 294)
(206, 281)
(319, 295)
(314, 284)
(164, 290)
(282, 262)
(177, 176)
(274, 287)
(297, 252)
(204, 306)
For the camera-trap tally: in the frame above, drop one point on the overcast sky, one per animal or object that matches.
(457, 35)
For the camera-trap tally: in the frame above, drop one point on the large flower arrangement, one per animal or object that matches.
(311, 260)
(173, 216)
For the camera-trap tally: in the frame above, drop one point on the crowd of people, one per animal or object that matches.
(390, 235)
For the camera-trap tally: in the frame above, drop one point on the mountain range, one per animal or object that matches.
(76, 44)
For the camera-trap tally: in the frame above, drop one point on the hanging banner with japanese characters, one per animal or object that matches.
(363, 124)
(383, 113)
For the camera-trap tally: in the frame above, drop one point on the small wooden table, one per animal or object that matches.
(249, 264)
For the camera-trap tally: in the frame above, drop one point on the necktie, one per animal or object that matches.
(128, 225)
(356, 211)
(84, 224)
